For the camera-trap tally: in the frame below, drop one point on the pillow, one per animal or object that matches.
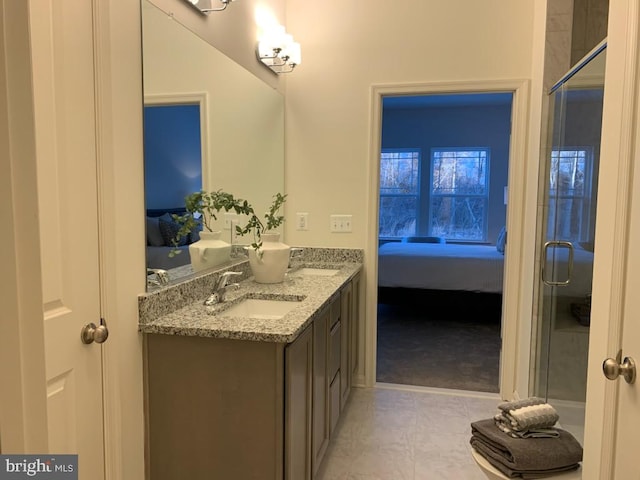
(424, 240)
(154, 237)
(169, 230)
(194, 234)
(502, 240)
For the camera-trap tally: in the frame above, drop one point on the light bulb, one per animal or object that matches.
(295, 53)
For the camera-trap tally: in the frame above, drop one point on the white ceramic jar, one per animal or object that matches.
(210, 251)
(270, 263)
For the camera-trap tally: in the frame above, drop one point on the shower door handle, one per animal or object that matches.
(557, 243)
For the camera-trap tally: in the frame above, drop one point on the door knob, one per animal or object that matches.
(612, 368)
(91, 333)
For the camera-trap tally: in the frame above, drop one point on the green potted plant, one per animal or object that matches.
(209, 250)
(268, 257)
(201, 208)
(272, 219)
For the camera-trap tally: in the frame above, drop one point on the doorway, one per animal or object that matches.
(443, 193)
(514, 283)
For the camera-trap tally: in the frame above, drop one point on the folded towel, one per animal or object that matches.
(528, 474)
(532, 416)
(525, 455)
(528, 422)
(525, 402)
(503, 424)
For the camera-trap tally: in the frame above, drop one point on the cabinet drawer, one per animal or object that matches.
(334, 350)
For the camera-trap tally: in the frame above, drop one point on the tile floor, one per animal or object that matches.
(397, 433)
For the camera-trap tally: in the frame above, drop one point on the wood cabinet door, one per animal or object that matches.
(320, 387)
(298, 407)
(345, 353)
(355, 322)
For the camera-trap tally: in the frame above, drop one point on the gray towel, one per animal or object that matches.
(525, 402)
(505, 426)
(529, 414)
(529, 474)
(533, 416)
(525, 455)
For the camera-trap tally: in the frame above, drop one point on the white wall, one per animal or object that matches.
(244, 144)
(233, 31)
(348, 47)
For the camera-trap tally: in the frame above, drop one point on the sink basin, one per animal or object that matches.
(261, 309)
(322, 272)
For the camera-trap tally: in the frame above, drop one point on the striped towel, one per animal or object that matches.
(533, 416)
(528, 418)
(526, 402)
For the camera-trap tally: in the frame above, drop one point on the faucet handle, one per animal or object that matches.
(223, 279)
(295, 252)
(162, 276)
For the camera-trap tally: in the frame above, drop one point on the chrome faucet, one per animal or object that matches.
(295, 253)
(222, 285)
(162, 277)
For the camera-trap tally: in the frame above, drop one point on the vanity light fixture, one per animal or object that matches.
(277, 50)
(204, 6)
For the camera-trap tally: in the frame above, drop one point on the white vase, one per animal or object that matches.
(210, 251)
(270, 263)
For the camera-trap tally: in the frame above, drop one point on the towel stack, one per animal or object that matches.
(522, 441)
(529, 418)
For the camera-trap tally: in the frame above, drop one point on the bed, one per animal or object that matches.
(441, 266)
(467, 267)
(159, 244)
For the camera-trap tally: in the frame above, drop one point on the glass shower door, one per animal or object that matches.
(566, 231)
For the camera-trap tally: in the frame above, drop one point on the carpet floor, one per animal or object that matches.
(440, 341)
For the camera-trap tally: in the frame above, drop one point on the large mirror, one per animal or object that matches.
(210, 124)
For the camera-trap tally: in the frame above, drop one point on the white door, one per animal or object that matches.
(627, 414)
(64, 108)
(613, 407)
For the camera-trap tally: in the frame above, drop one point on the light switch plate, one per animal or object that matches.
(340, 223)
(302, 221)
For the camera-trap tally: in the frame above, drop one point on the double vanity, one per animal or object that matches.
(251, 387)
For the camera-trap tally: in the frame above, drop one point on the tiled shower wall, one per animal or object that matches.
(574, 28)
(589, 26)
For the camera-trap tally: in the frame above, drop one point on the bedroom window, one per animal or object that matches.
(399, 192)
(459, 193)
(568, 184)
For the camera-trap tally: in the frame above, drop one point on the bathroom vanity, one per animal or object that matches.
(255, 394)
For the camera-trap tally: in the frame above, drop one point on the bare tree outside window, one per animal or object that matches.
(459, 193)
(399, 192)
(567, 186)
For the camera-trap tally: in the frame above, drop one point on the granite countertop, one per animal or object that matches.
(312, 291)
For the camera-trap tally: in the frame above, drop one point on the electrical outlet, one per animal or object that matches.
(341, 223)
(302, 221)
(229, 218)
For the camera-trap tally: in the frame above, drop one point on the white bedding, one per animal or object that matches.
(476, 268)
(441, 266)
